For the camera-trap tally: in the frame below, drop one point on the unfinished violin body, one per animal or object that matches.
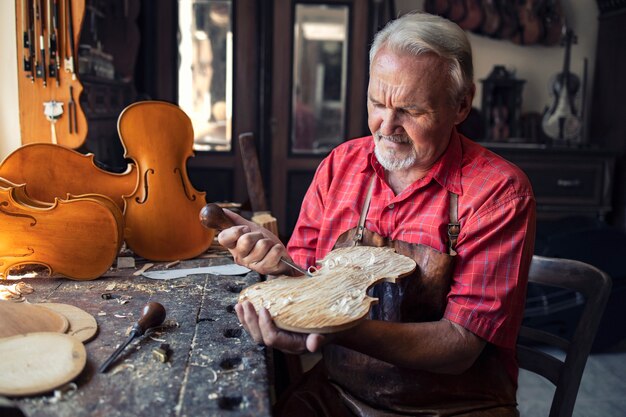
(78, 237)
(161, 214)
(335, 298)
(50, 171)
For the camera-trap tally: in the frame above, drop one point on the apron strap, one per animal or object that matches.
(358, 237)
(454, 227)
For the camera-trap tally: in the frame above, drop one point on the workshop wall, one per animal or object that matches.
(535, 64)
(9, 111)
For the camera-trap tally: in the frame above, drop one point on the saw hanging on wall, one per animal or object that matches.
(47, 32)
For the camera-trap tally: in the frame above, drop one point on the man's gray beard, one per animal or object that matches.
(388, 160)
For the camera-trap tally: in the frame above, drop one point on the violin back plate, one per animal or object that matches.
(335, 298)
(50, 171)
(161, 215)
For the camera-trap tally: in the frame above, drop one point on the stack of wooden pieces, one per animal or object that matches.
(41, 346)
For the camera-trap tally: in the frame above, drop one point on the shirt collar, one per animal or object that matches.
(446, 171)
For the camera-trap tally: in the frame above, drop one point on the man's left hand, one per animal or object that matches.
(262, 329)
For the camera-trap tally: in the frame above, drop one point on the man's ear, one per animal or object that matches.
(465, 105)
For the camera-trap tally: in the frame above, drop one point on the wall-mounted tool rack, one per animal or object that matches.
(47, 35)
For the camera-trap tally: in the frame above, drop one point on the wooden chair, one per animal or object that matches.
(566, 375)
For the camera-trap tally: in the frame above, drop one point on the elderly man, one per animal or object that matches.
(441, 342)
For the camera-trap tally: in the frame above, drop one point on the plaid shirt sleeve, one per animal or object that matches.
(491, 273)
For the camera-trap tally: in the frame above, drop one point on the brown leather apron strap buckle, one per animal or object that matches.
(366, 205)
(454, 227)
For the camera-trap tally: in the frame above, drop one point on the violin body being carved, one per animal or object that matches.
(161, 214)
(78, 237)
(335, 298)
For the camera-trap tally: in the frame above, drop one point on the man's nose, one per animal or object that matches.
(390, 124)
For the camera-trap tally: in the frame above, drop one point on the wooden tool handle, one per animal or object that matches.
(212, 216)
(152, 315)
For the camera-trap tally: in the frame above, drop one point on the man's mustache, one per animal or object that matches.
(393, 138)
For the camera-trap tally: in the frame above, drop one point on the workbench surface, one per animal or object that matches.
(214, 369)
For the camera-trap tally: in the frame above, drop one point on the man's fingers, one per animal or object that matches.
(251, 321)
(230, 237)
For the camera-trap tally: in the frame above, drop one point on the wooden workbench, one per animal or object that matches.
(214, 369)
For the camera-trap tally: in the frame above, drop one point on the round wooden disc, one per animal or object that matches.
(36, 363)
(22, 318)
(82, 324)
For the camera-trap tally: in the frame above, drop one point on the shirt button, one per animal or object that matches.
(390, 206)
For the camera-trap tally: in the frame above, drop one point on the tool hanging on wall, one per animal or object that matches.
(71, 107)
(53, 40)
(53, 110)
(69, 58)
(27, 41)
(40, 69)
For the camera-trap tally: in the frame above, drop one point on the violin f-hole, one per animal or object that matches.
(145, 186)
(9, 213)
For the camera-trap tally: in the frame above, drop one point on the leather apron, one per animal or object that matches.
(370, 387)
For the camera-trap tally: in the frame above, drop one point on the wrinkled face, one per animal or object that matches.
(410, 112)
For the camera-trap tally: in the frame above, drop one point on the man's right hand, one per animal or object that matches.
(254, 246)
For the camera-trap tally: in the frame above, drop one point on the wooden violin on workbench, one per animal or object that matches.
(78, 237)
(161, 214)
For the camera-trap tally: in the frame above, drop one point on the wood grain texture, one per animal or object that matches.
(161, 215)
(22, 318)
(50, 171)
(39, 362)
(335, 298)
(78, 237)
(82, 325)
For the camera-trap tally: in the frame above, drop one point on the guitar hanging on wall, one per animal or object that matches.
(561, 121)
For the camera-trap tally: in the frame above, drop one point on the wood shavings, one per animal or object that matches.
(143, 269)
(15, 291)
(120, 316)
(123, 367)
(102, 313)
(123, 299)
(157, 340)
(64, 392)
(171, 264)
(110, 287)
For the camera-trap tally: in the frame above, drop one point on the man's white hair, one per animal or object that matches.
(420, 33)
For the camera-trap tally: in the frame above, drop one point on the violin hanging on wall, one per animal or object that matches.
(561, 120)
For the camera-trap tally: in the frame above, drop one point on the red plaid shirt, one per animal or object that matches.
(496, 211)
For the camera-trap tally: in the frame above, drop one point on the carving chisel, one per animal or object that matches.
(152, 315)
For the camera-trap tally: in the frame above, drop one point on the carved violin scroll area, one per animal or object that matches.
(336, 297)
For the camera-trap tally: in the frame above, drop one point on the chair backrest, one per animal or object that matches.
(595, 287)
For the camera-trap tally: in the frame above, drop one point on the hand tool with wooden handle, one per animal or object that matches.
(212, 216)
(152, 315)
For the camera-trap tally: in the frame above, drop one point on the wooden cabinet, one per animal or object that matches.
(566, 181)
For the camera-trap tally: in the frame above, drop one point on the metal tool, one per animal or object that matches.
(152, 315)
(212, 216)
